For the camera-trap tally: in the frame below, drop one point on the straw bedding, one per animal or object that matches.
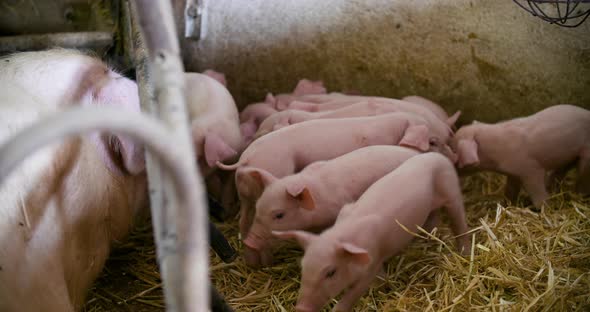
(521, 261)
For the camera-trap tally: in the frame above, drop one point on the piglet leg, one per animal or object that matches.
(534, 184)
(557, 176)
(251, 257)
(432, 221)
(266, 257)
(512, 188)
(455, 209)
(352, 295)
(456, 213)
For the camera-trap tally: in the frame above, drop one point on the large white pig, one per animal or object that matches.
(63, 207)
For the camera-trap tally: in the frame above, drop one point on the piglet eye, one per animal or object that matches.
(330, 273)
(279, 215)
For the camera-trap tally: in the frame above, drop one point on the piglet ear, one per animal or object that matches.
(120, 154)
(416, 137)
(281, 123)
(270, 99)
(305, 86)
(467, 152)
(357, 254)
(304, 106)
(248, 130)
(453, 119)
(260, 176)
(216, 149)
(217, 76)
(301, 193)
(301, 237)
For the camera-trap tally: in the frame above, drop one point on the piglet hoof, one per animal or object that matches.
(341, 308)
(464, 247)
(535, 209)
(465, 251)
(538, 207)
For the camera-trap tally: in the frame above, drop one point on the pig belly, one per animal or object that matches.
(31, 278)
(556, 147)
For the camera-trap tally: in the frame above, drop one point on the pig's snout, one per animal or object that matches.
(254, 240)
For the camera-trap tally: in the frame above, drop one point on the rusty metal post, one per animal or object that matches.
(180, 231)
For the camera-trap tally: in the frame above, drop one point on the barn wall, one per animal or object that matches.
(19, 17)
(488, 58)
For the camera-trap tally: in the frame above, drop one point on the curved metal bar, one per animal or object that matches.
(185, 272)
(82, 120)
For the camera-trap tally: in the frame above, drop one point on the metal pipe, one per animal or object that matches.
(82, 120)
(183, 245)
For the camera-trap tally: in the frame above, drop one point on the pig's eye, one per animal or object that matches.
(330, 273)
(433, 141)
(279, 215)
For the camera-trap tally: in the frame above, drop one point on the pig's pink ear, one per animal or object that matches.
(357, 254)
(261, 176)
(281, 123)
(305, 86)
(301, 237)
(120, 153)
(216, 149)
(453, 119)
(248, 130)
(217, 76)
(270, 99)
(304, 106)
(301, 193)
(278, 126)
(416, 137)
(467, 152)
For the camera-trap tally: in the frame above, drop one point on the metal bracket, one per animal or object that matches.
(193, 19)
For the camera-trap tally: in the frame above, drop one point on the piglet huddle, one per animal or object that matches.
(355, 169)
(343, 175)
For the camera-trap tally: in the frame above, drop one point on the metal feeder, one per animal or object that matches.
(565, 13)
